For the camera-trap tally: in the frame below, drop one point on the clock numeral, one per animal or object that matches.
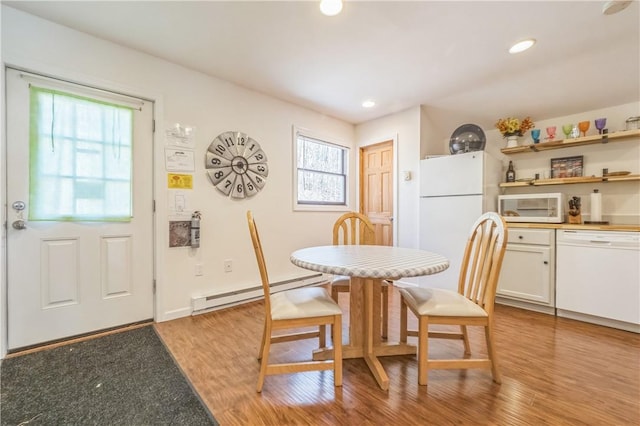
(250, 189)
(217, 149)
(257, 180)
(241, 141)
(258, 157)
(239, 187)
(214, 161)
(229, 142)
(217, 175)
(225, 185)
(220, 149)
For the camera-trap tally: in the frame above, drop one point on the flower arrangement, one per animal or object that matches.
(514, 127)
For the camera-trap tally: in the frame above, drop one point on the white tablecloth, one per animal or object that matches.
(378, 262)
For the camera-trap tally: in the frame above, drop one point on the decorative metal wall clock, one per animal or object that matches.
(236, 165)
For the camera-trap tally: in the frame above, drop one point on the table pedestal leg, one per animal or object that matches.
(372, 331)
(365, 331)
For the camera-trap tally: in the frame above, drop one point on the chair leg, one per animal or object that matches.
(265, 356)
(334, 296)
(465, 337)
(403, 321)
(322, 337)
(337, 350)
(491, 350)
(334, 293)
(423, 350)
(385, 312)
(264, 338)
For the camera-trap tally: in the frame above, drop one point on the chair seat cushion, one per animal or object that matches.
(340, 280)
(303, 302)
(440, 302)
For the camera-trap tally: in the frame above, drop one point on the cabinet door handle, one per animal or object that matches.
(545, 262)
(520, 237)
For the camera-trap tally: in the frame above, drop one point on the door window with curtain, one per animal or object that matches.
(320, 173)
(80, 158)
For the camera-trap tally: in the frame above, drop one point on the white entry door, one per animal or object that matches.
(83, 267)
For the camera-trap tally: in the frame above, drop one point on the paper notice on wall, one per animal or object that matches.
(178, 204)
(181, 136)
(179, 160)
(179, 181)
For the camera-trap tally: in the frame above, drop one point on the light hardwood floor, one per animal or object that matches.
(555, 372)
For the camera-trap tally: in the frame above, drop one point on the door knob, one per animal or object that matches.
(19, 207)
(19, 224)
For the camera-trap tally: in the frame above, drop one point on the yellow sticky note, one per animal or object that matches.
(179, 181)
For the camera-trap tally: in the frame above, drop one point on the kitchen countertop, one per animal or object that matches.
(634, 228)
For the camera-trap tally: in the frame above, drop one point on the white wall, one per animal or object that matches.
(212, 106)
(405, 127)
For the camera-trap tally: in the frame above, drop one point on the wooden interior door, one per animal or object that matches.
(376, 189)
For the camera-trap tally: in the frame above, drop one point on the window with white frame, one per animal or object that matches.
(321, 173)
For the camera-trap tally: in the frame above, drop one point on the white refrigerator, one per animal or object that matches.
(454, 191)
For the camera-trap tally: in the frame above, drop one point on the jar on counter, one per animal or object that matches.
(633, 123)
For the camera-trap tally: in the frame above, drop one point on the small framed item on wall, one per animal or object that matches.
(566, 167)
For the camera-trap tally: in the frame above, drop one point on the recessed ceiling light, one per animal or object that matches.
(368, 104)
(614, 6)
(521, 46)
(330, 7)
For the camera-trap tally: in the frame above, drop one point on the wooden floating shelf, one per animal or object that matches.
(567, 143)
(572, 180)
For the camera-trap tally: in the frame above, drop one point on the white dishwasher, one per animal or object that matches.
(598, 277)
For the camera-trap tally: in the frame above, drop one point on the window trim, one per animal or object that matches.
(310, 206)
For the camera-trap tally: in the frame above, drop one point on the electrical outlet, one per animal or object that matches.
(198, 269)
(228, 265)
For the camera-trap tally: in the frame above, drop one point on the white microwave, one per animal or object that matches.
(545, 208)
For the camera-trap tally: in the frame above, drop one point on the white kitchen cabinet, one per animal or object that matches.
(527, 279)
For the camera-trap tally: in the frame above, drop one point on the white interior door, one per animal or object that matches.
(69, 277)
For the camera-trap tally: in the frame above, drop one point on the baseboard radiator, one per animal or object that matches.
(203, 304)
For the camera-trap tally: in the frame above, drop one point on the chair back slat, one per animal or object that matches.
(262, 266)
(353, 228)
(482, 260)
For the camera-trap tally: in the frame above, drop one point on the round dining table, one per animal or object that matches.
(368, 266)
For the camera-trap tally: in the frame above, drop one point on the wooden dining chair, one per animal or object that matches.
(471, 305)
(296, 308)
(355, 228)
